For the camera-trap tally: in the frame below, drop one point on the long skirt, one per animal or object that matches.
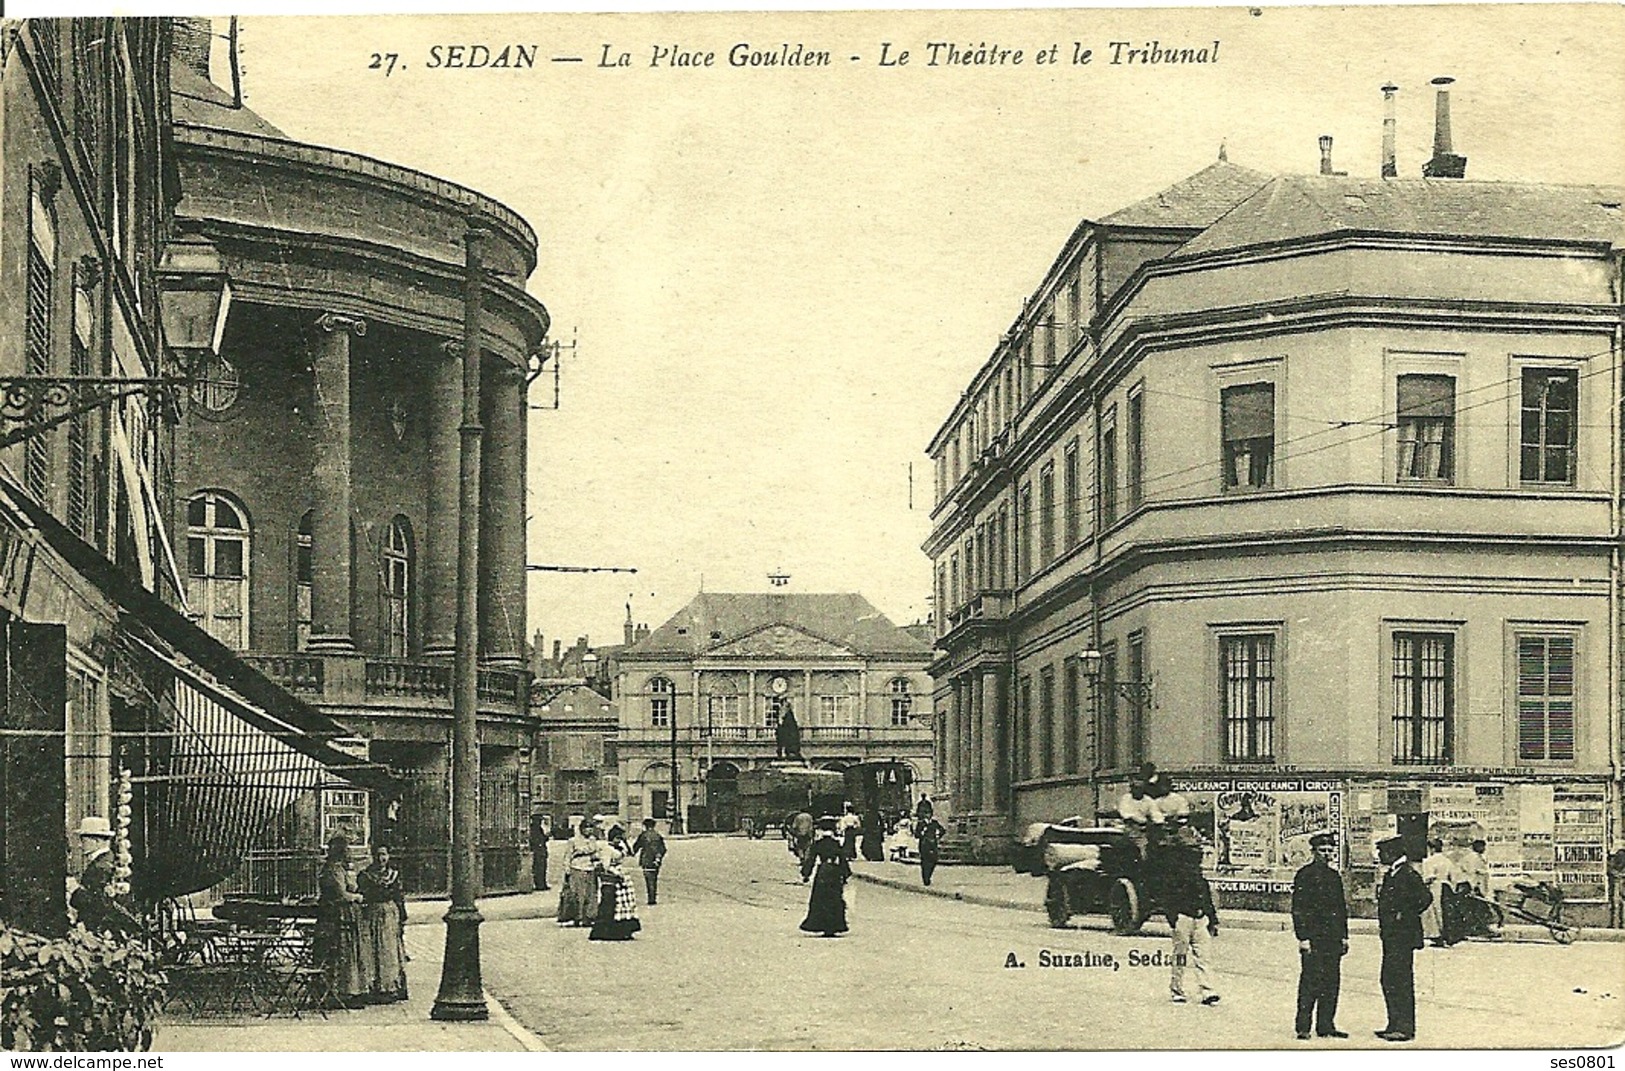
(338, 942)
(578, 899)
(617, 911)
(386, 952)
(826, 910)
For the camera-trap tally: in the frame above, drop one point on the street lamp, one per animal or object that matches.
(1136, 691)
(194, 299)
(589, 666)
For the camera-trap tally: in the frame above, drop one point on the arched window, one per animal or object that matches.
(902, 702)
(217, 545)
(397, 588)
(301, 582)
(662, 698)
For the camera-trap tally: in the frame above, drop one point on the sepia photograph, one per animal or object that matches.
(1056, 530)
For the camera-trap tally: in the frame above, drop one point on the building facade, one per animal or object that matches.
(710, 685)
(1304, 488)
(115, 705)
(316, 506)
(574, 771)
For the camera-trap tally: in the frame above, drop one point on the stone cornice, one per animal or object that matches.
(342, 165)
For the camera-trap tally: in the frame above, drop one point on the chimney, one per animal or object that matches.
(1390, 166)
(1326, 154)
(190, 43)
(627, 631)
(538, 655)
(1445, 162)
(556, 646)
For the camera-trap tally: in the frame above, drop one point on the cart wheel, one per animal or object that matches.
(1057, 904)
(1564, 935)
(1123, 903)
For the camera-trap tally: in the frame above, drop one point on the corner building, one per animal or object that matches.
(1323, 473)
(317, 477)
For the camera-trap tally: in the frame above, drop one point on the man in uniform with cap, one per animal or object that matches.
(1320, 918)
(1400, 903)
(93, 901)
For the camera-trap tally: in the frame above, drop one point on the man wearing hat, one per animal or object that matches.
(1400, 903)
(93, 901)
(1320, 918)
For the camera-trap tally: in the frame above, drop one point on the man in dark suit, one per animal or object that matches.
(1400, 903)
(1320, 918)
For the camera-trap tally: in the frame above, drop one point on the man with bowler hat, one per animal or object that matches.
(1320, 918)
(1400, 903)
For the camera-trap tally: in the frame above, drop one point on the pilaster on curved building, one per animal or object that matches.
(317, 473)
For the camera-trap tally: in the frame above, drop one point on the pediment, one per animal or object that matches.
(779, 641)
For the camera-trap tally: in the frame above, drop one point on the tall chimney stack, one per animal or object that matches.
(1325, 154)
(1390, 166)
(1445, 162)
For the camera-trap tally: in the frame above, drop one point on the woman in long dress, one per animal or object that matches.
(578, 899)
(826, 864)
(617, 918)
(383, 922)
(338, 927)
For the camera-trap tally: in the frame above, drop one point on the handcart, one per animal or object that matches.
(1542, 904)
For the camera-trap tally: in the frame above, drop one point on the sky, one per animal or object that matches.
(778, 281)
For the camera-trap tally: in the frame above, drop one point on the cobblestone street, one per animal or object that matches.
(720, 964)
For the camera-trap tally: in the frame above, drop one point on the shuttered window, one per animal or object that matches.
(37, 358)
(1546, 698)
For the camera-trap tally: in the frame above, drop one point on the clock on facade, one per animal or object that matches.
(779, 685)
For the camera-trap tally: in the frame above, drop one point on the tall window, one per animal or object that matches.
(662, 694)
(1046, 514)
(902, 702)
(1024, 733)
(1009, 394)
(1550, 398)
(1069, 495)
(1426, 413)
(1546, 698)
(942, 597)
(397, 588)
(1070, 715)
(302, 570)
(81, 482)
(1046, 720)
(1024, 540)
(1424, 695)
(1106, 707)
(1001, 549)
(723, 711)
(1134, 446)
(217, 539)
(1247, 696)
(1248, 417)
(1108, 469)
(953, 582)
(1135, 736)
(1074, 309)
(37, 336)
(87, 77)
(836, 710)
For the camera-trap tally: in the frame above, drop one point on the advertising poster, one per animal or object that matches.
(1258, 832)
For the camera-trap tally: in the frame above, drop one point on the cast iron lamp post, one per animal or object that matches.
(462, 991)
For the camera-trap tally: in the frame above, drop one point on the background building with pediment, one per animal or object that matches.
(712, 683)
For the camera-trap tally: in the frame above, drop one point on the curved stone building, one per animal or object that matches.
(316, 482)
